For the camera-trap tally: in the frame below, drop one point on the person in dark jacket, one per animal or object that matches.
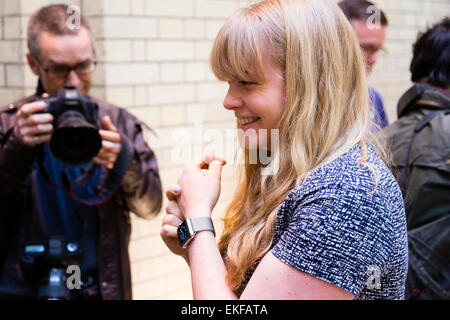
(420, 143)
(39, 202)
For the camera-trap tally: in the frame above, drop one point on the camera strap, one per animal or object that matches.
(106, 189)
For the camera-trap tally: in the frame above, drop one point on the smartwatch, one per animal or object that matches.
(187, 230)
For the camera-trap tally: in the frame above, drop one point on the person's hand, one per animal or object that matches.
(34, 128)
(111, 144)
(200, 185)
(170, 223)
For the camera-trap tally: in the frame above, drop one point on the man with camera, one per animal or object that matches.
(71, 169)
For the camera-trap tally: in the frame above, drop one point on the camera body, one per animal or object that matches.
(45, 264)
(75, 139)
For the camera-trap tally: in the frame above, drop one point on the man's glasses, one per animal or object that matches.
(82, 69)
(370, 50)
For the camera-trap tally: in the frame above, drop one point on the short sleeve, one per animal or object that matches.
(336, 234)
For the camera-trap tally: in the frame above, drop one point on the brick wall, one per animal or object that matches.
(153, 60)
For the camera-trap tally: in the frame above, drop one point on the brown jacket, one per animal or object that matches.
(139, 192)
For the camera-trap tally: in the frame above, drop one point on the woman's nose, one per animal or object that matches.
(232, 100)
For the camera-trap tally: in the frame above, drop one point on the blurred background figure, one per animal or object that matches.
(369, 23)
(420, 142)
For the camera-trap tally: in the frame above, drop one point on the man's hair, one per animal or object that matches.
(51, 19)
(431, 55)
(357, 10)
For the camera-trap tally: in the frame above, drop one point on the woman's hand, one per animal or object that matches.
(170, 223)
(200, 185)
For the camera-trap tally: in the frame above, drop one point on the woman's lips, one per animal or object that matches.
(247, 123)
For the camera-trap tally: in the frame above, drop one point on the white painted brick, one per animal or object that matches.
(195, 71)
(171, 93)
(194, 29)
(137, 7)
(202, 50)
(116, 7)
(140, 95)
(171, 72)
(196, 113)
(90, 7)
(172, 115)
(9, 7)
(171, 28)
(2, 76)
(170, 50)
(216, 112)
(136, 73)
(98, 91)
(12, 51)
(130, 28)
(139, 50)
(11, 94)
(149, 289)
(147, 247)
(30, 79)
(211, 91)
(149, 115)
(120, 96)
(15, 27)
(117, 50)
(173, 8)
(215, 8)
(212, 28)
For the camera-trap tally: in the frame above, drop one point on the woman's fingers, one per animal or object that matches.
(171, 220)
(204, 161)
(172, 208)
(168, 231)
(173, 192)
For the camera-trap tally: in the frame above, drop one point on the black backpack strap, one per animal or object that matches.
(420, 126)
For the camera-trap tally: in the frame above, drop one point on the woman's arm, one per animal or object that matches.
(208, 272)
(272, 279)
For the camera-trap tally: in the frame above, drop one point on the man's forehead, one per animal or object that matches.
(368, 32)
(66, 49)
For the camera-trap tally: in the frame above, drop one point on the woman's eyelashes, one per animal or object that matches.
(247, 83)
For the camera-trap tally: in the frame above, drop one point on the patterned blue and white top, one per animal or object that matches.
(342, 226)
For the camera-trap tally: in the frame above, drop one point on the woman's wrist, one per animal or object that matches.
(197, 212)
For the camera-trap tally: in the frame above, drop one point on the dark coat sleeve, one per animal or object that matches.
(16, 159)
(140, 188)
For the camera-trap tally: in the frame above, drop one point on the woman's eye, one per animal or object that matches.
(245, 83)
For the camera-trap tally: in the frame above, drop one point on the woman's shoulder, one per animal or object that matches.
(346, 185)
(347, 172)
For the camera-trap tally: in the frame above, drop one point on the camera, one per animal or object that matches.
(44, 264)
(75, 139)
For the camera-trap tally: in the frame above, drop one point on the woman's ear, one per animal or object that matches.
(32, 64)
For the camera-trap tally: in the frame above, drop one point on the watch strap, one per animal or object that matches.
(201, 224)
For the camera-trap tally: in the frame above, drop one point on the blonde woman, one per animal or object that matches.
(330, 222)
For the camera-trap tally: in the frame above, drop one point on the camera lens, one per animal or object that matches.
(54, 286)
(75, 140)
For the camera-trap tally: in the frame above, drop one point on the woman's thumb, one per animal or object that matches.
(215, 168)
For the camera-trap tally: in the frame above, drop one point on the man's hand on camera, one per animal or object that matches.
(33, 128)
(111, 144)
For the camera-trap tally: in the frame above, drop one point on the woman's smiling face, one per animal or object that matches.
(258, 105)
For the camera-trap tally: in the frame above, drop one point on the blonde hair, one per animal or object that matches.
(326, 113)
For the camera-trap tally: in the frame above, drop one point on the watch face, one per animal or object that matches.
(183, 234)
